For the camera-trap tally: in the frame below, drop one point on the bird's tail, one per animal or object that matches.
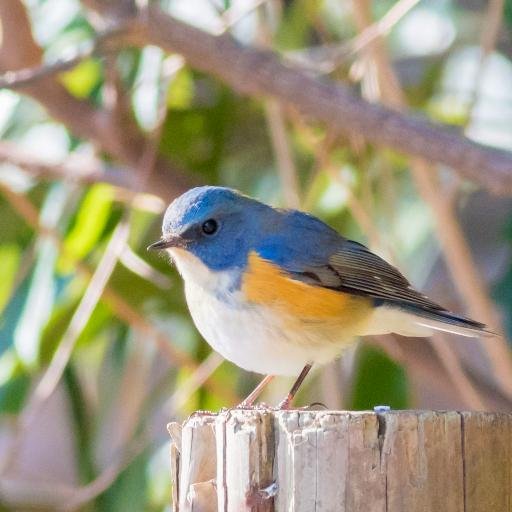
(446, 321)
(411, 320)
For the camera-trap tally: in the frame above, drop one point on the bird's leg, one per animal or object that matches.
(287, 401)
(255, 393)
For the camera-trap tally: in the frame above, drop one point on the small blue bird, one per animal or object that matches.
(276, 291)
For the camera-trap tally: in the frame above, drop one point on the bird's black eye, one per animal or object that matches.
(209, 226)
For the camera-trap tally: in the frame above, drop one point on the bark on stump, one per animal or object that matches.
(305, 461)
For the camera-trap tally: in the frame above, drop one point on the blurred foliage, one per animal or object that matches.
(116, 389)
(378, 381)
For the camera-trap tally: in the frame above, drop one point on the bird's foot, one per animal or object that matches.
(286, 405)
(315, 406)
(250, 406)
(200, 414)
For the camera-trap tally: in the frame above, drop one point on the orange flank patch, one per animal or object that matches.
(264, 283)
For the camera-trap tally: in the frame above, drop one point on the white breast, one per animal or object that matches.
(249, 335)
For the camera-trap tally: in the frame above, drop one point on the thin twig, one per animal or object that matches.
(111, 40)
(82, 314)
(383, 26)
(202, 373)
(451, 362)
(361, 216)
(133, 262)
(18, 79)
(283, 153)
(275, 117)
(327, 58)
(466, 276)
(233, 15)
(488, 38)
(75, 168)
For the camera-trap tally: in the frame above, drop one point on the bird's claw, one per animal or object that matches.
(200, 414)
(246, 406)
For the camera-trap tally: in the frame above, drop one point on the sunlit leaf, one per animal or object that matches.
(297, 24)
(10, 258)
(14, 229)
(10, 315)
(44, 286)
(181, 90)
(83, 78)
(90, 222)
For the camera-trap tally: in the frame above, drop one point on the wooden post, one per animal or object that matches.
(337, 461)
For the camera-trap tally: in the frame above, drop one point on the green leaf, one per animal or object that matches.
(296, 25)
(89, 225)
(378, 381)
(507, 13)
(181, 90)
(11, 313)
(37, 308)
(502, 289)
(13, 393)
(196, 137)
(83, 78)
(10, 258)
(128, 493)
(82, 424)
(13, 228)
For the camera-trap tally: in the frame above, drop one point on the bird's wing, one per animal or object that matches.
(355, 269)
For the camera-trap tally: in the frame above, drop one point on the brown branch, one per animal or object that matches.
(18, 79)
(75, 171)
(122, 140)
(276, 125)
(261, 73)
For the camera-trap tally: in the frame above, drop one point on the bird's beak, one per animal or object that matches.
(165, 243)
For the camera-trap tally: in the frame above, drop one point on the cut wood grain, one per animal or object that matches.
(330, 461)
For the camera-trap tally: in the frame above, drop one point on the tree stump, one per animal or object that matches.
(305, 461)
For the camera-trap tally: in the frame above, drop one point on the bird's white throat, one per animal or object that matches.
(194, 271)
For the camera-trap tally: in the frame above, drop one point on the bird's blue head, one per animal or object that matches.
(217, 225)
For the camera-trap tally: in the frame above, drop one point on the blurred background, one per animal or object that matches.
(97, 350)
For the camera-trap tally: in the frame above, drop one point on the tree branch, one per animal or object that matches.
(252, 72)
(123, 141)
(261, 73)
(78, 171)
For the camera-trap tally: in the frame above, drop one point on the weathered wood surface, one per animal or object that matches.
(330, 461)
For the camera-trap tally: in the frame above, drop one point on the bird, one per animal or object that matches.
(276, 291)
